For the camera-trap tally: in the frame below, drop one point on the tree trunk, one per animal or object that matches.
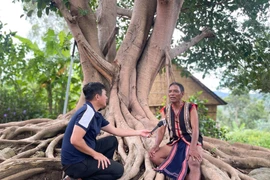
(128, 75)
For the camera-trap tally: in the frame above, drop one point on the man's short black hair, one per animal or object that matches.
(91, 89)
(179, 85)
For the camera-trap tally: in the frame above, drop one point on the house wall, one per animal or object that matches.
(158, 93)
(212, 111)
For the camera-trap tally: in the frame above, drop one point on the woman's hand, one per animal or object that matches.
(145, 133)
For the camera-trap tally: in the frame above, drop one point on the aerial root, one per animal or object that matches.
(223, 166)
(25, 174)
(15, 168)
(50, 149)
(210, 171)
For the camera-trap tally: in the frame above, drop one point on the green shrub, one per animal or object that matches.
(15, 107)
(208, 126)
(252, 137)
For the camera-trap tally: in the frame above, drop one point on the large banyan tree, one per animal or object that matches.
(210, 38)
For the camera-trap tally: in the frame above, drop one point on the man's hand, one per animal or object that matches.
(153, 150)
(102, 160)
(194, 154)
(145, 133)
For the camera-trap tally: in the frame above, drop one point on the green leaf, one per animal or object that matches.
(47, 10)
(29, 13)
(28, 43)
(39, 13)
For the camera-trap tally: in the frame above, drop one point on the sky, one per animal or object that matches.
(10, 14)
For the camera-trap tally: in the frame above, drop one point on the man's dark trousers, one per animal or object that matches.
(88, 169)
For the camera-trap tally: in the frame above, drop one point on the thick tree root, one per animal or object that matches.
(25, 174)
(17, 168)
(212, 172)
(28, 149)
(231, 157)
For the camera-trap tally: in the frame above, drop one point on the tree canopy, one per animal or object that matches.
(240, 48)
(239, 51)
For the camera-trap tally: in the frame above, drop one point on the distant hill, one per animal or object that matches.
(256, 95)
(221, 94)
(225, 94)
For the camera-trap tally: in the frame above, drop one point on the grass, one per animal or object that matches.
(252, 137)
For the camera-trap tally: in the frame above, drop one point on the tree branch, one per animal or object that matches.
(168, 64)
(209, 4)
(206, 33)
(124, 12)
(100, 64)
(104, 67)
(65, 12)
(110, 41)
(133, 44)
